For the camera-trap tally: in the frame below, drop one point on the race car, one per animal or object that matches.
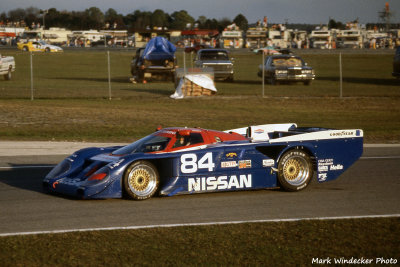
(39, 46)
(179, 160)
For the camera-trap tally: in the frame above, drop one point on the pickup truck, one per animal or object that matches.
(7, 65)
(156, 59)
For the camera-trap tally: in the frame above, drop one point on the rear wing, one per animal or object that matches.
(262, 132)
(288, 132)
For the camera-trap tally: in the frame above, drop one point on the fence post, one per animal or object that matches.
(109, 75)
(262, 76)
(184, 64)
(31, 75)
(341, 76)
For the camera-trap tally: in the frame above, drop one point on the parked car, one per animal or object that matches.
(156, 59)
(7, 65)
(39, 46)
(286, 68)
(219, 60)
(396, 63)
(196, 48)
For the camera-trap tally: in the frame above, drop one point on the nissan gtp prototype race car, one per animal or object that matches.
(174, 161)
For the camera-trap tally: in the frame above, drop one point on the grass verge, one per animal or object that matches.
(259, 244)
(127, 120)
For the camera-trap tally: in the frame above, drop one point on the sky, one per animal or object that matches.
(277, 11)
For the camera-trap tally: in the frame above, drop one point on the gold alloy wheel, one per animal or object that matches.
(296, 170)
(291, 169)
(139, 179)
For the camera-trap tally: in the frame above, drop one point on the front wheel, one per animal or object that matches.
(295, 170)
(141, 180)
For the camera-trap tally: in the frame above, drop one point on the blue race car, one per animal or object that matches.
(174, 161)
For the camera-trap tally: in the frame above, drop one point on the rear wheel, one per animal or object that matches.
(141, 180)
(8, 75)
(295, 170)
(25, 48)
(273, 81)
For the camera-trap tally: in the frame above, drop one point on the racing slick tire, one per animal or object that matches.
(25, 48)
(295, 170)
(8, 75)
(273, 81)
(141, 180)
(47, 50)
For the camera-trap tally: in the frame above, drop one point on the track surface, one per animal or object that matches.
(370, 187)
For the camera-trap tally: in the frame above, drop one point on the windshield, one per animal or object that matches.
(149, 143)
(214, 55)
(288, 62)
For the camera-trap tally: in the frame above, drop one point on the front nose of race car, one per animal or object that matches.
(89, 183)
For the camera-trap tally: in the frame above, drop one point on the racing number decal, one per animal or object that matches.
(189, 163)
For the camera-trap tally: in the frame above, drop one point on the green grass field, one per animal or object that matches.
(83, 74)
(71, 94)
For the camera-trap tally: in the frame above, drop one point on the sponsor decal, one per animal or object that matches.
(268, 162)
(116, 164)
(336, 167)
(343, 133)
(229, 164)
(243, 164)
(259, 131)
(219, 183)
(168, 132)
(231, 155)
(323, 168)
(322, 177)
(327, 164)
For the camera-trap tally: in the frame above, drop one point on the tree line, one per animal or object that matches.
(94, 18)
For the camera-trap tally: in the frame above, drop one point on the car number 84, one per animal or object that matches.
(190, 164)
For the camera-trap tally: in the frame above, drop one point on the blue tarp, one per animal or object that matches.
(159, 48)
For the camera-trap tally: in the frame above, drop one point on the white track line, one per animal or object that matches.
(26, 167)
(198, 224)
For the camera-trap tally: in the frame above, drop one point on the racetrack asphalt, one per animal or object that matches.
(370, 187)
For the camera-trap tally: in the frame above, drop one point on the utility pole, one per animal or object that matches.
(44, 12)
